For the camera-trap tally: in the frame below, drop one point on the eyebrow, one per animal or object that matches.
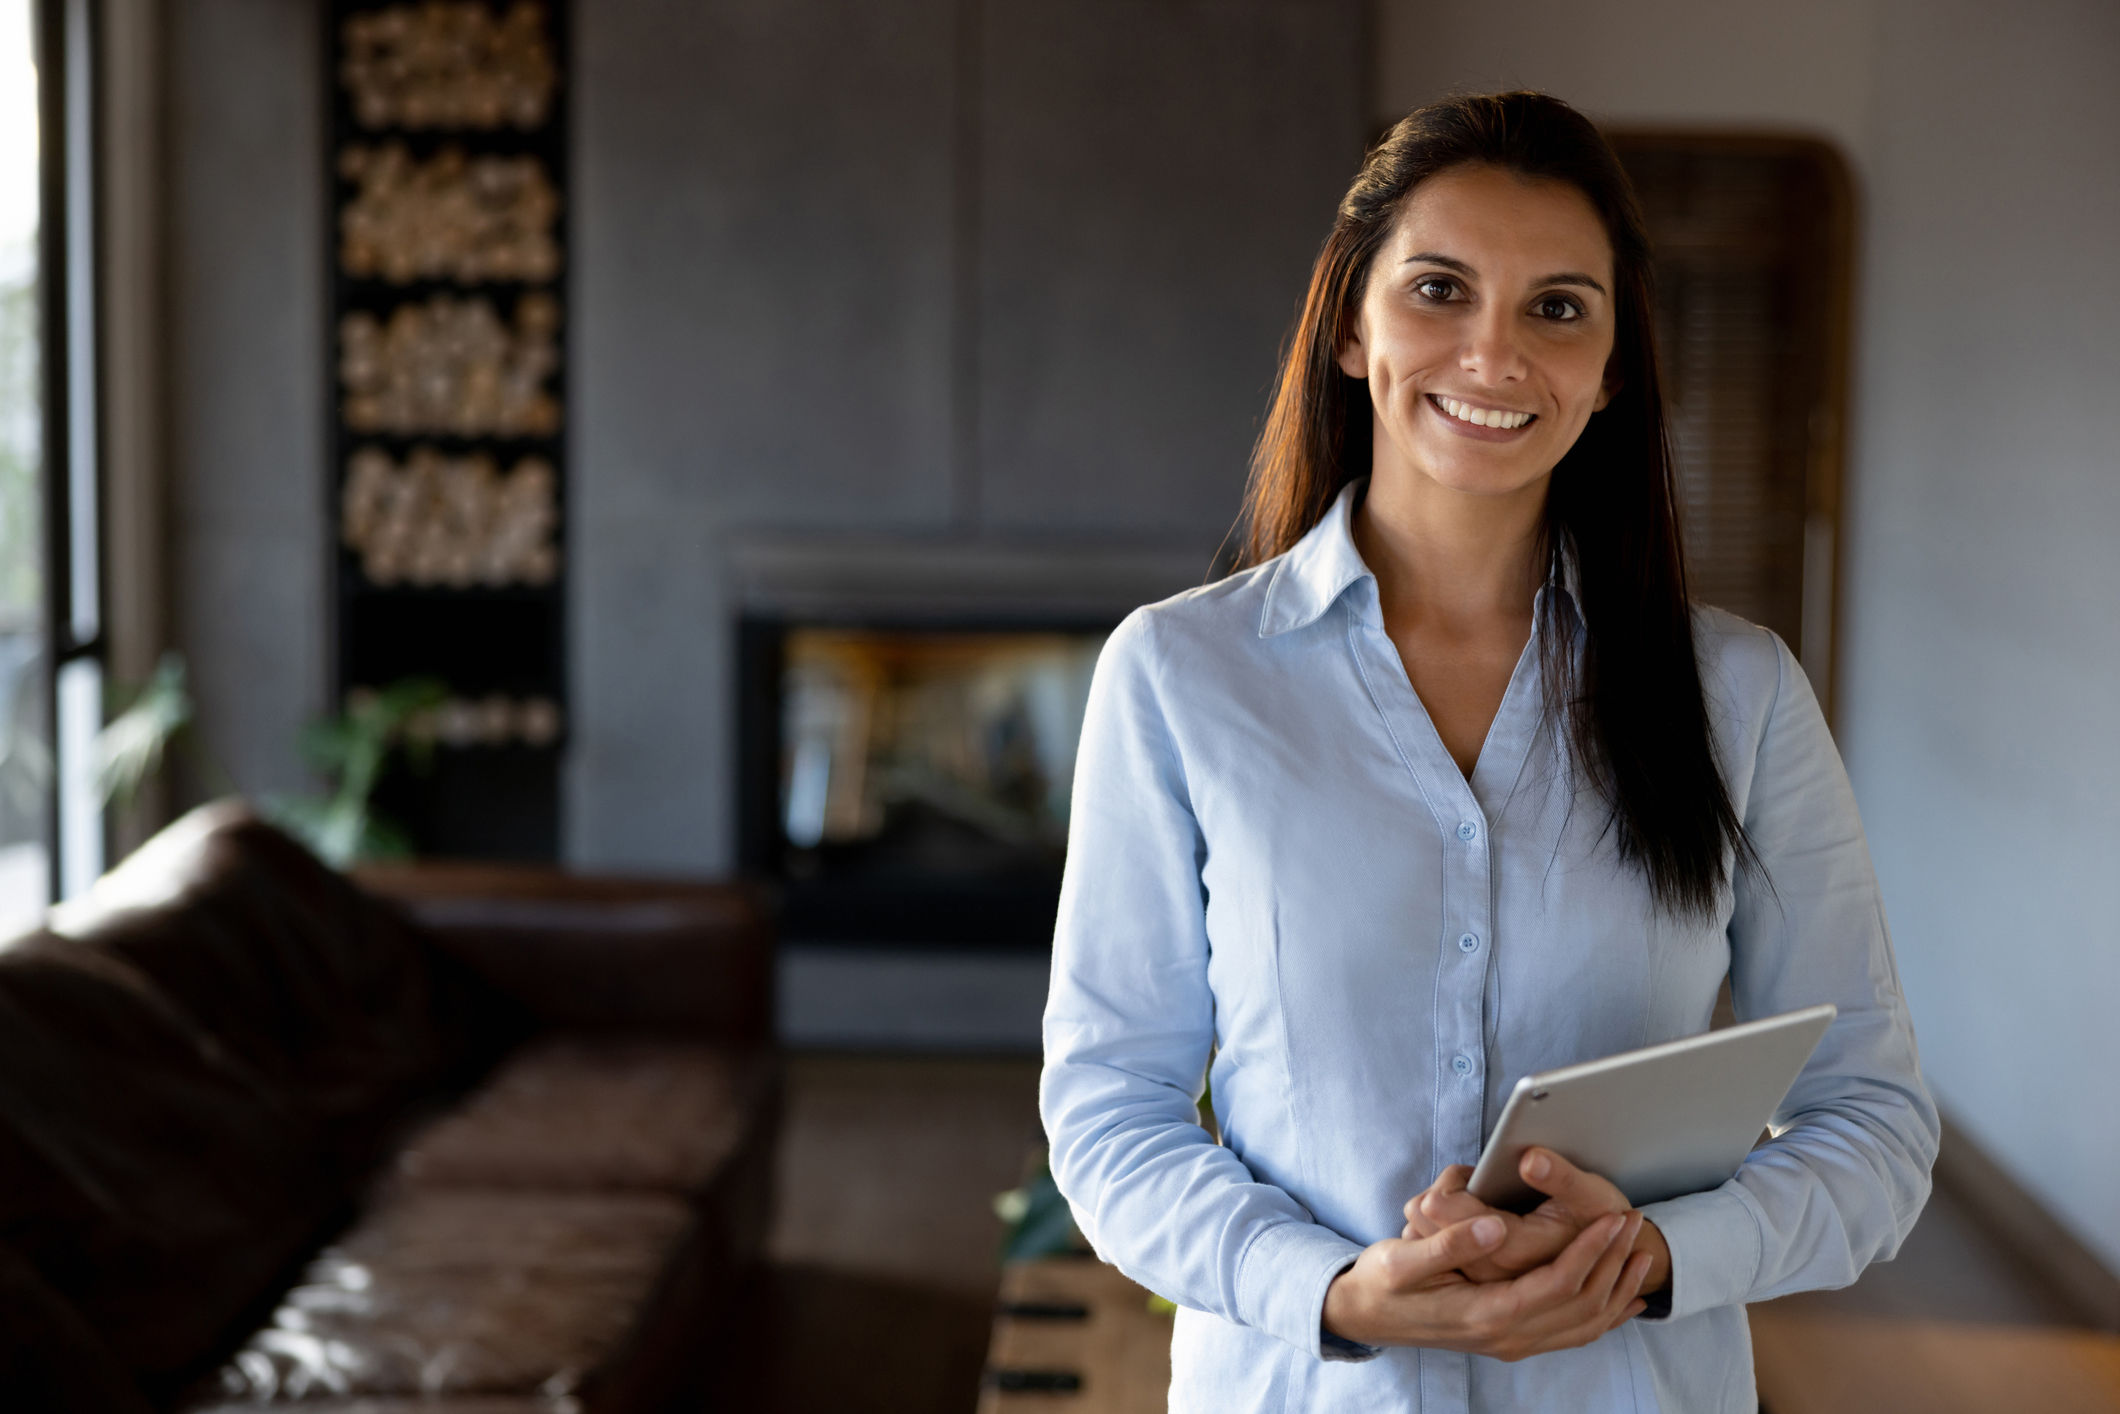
(1565, 277)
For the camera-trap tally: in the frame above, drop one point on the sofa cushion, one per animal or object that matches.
(596, 1112)
(50, 1360)
(453, 1292)
(333, 997)
(583, 953)
(153, 1182)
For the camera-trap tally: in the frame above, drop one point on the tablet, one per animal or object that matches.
(1659, 1122)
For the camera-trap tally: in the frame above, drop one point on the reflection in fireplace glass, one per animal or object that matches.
(929, 753)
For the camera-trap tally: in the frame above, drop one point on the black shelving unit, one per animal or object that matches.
(490, 800)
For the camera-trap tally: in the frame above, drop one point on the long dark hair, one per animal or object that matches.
(1633, 703)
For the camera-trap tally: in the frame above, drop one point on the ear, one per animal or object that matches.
(1612, 384)
(1354, 359)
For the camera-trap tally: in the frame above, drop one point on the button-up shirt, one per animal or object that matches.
(1278, 880)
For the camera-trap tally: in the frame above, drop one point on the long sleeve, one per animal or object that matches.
(1129, 1024)
(1847, 1170)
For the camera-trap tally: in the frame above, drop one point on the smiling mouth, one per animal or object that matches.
(1497, 418)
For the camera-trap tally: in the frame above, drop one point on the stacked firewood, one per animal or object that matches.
(493, 720)
(453, 521)
(451, 217)
(449, 65)
(452, 366)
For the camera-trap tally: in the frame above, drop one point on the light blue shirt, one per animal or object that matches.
(1274, 861)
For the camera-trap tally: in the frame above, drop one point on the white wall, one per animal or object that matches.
(1980, 653)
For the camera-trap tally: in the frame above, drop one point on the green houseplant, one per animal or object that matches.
(349, 749)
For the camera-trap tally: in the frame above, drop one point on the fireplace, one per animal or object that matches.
(906, 784)
(907, 720)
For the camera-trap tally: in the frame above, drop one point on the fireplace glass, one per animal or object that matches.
(922, 777)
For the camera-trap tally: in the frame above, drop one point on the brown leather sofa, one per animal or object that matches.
(461, 1140)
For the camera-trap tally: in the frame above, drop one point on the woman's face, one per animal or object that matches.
(1490, 298)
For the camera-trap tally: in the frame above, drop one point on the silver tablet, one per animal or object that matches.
(1661, 1121)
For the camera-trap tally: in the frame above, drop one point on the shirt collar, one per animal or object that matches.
(1322, 566)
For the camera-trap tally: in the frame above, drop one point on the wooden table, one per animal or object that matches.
(1072, 1334)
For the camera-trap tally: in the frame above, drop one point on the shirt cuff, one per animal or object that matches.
(1339, 1347)
(1715, 1251)
(1281, 1283)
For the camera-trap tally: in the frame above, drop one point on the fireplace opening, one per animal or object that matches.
(907, 784)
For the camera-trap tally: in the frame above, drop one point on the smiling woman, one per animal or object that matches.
(1524, 353)
(1452, 782)
(1560, 325)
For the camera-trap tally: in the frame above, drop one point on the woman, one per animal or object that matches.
(1450, 784)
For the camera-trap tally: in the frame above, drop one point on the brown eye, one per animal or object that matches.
(1422, 286)
(1560, 309)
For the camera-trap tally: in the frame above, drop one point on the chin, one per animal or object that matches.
(1485, 480)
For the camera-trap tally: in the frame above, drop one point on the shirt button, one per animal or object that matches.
(1467, 830)
(1462, 1065)
(1469, 942)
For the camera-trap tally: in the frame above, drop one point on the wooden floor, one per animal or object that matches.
(881, 1290)
(886, 1249)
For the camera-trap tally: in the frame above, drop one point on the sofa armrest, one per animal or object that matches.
(597, 951)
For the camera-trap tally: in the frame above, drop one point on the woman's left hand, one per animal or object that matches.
(1575, 1199)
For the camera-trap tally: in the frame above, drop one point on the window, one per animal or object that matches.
(51, 640)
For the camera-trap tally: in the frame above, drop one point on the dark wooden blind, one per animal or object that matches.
(1753, 252)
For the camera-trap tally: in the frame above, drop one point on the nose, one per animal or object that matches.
(1491, 349)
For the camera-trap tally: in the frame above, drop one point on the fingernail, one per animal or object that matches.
(1487, 1231)
(1538, 1166)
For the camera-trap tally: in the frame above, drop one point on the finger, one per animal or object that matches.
(1563, 1277)
(1443, 1209)
(1450, 1180)
(1409, 1263)
(1626, 1302)
(1605, 1277)
(1623, 1307)
(1449, 1184)
(1419, 1228)
(1602, 1304)
(1587, 1305)
(1557, 1178)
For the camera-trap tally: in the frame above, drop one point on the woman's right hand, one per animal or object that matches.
(1410, 1292)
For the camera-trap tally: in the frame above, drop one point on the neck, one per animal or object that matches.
(1448, 558)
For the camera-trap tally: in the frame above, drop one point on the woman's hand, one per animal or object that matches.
(1575, 1199)
(1412, 1292)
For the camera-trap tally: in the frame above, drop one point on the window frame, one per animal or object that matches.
(69, 352)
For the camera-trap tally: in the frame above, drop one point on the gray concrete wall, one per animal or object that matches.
(985, 270)
(762, 295)
(246, 364)
(849, 268)
(1155, 182)
(1980, 656)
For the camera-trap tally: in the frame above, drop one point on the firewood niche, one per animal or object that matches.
(449, 301)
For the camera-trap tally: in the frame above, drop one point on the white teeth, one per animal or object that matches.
(1482, 417)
